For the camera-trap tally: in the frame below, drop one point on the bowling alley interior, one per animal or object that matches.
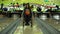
(29, 16)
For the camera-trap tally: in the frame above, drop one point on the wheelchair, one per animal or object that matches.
(27, 20)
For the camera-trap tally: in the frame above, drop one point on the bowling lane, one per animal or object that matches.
(28, 30)
(5, 21)
(46, 28)
(53, 22)
(2, 18)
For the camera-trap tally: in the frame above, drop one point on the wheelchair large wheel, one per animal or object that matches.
(27, 24)
(23, 23)
(31, 23)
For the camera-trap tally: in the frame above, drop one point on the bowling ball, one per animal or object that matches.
(27, 12)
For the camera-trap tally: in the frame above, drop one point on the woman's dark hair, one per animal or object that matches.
(11, 3)
(23, 4)
(17, 3)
